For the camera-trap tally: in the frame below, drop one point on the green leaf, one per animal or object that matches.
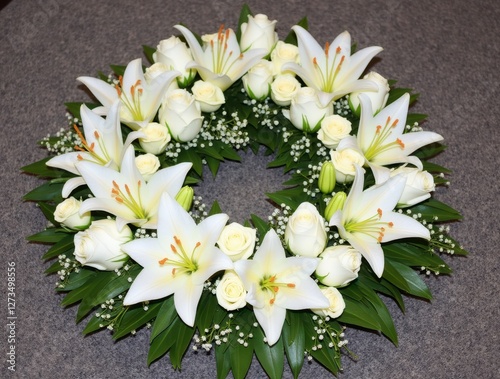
(271, 358)
(78, 279)
(62, 246)
(48, 191)
(134, 318)
(432, 208)
(191, 156)
(50, 235)
(41, 169)
(406, 279)
(223, 364)
(261, 226)
(215, 209)
(358, 314)
(291, 37)
(240, 358)
(162, 342)
(148, 52)
(119, 70)
(184, 336)
(93, 325)
(294, 341)
(414, 255)
(328, 358)
(429, 151)
(213, 165)
(166, 316)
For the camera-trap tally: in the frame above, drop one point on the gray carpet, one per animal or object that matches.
(446, 50)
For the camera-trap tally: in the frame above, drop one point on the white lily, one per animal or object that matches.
(126, 194)
(276, 283)
(381, 139)
(102, 144)
(179, 261)
(140, 98)
(221, 62)
(368, 219)
(332, 71)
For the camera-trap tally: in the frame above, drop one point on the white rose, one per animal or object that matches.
(305, 233)
(208, 95)
(284, 53)
(237, 241)
(230, 292)
(157, 138)
(257, 81)
(147, 164)
(284, 88)
(100, 245)
(175, 55)
(181, 114)
(339, 265)
(258, 33)
(344, 161)
(306, 112)
(157, 69)
(67, 214)
(333, 129)
(337, 303)
(419, 185)
(378, 98)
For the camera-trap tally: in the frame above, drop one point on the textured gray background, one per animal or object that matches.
(446, 50)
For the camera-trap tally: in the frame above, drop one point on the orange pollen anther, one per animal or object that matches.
(198, 244)
(162, 262)
(79, 157)
(315, 61)
(379, 211)
(276, 289)
(173, 248)
(96, 134)
(271, 301)
(400, 143)
(127, 189)
(114, 191)
(395, 123)
(378, 128)
(290, 285)
(173, 271)
(327, 48)
(391, 224)
(119, 199)
(177, 241)
(338, 50)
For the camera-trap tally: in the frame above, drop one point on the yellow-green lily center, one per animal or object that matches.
(90, 148)
(123, 195)
(382, 141)
(372, 227)
(131, 98)
(328, 73)
(183, 263)
(222, 58)
(271, 285)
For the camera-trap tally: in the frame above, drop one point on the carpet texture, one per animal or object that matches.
(446, 50)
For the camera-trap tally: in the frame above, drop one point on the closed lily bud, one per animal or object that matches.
(185, 197)
(335, 204)
(326, 181)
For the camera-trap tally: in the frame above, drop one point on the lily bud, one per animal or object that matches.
(185, 197)
(326, 181)
(335, 204)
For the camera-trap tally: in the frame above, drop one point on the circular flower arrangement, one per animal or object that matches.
(136, 248)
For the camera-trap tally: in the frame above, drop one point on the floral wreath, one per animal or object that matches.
(134, 247)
